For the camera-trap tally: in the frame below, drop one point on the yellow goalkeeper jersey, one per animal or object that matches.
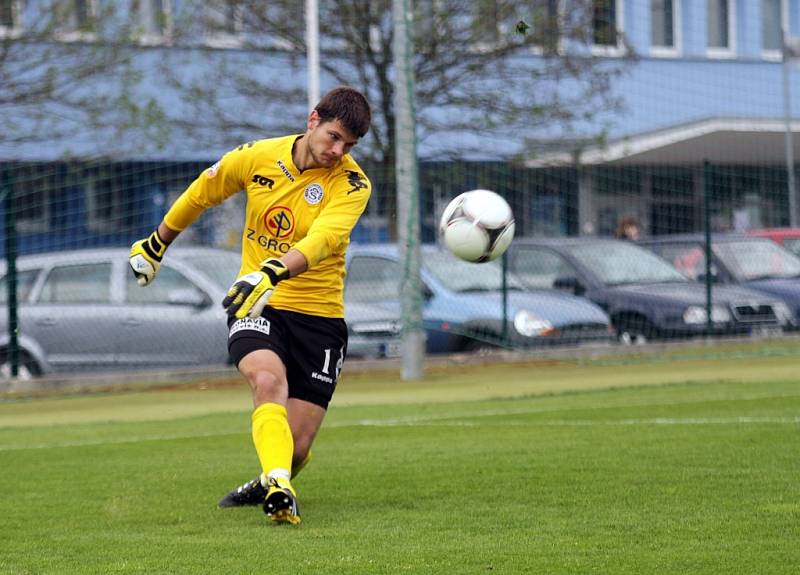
(313, 212)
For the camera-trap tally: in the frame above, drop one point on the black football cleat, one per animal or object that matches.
(280, 503)
(250, 494)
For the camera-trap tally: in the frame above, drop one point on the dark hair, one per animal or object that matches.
(624, 224)
(347, 105)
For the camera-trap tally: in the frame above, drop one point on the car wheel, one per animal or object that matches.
(27, 369)
(635, 331)
(480, 341)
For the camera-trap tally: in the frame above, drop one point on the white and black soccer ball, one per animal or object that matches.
(477, 226)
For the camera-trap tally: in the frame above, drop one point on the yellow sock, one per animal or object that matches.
(273, 439)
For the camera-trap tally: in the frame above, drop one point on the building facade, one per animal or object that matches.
(708, 117)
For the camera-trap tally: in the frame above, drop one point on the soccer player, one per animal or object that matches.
(287, 335)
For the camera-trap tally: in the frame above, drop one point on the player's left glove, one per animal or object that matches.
(249, 294)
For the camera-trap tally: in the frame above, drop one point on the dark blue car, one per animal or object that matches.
(755, 263)
(645, 296)
(462, 303)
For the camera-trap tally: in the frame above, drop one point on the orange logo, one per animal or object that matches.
(279, 222)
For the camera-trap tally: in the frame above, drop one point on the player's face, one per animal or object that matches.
(328, 141)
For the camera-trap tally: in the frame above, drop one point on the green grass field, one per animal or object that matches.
(682, 466)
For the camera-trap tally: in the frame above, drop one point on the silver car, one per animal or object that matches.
(83, 310)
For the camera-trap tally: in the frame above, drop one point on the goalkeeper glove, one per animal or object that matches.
(145, 258)
(249, 294)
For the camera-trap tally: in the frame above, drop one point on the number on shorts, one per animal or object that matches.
(327, 364)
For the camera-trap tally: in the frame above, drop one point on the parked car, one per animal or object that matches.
(462, 307)
(82, 310)
(646, 297)
(786, 237)
(373, 332)
(755, 263)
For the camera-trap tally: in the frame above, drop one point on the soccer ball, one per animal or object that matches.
(477, 226)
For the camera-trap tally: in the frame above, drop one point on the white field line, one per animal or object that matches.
(743, 420)
(465, 420)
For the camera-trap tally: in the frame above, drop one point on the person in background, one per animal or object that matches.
(629, 228)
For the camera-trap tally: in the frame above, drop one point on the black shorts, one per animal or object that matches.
(311, 347)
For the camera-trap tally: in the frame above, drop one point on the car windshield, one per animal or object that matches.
(749, 259)
(624, 263)
(460, 276)
(221, 268)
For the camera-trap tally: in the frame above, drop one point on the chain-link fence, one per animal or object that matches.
(78, 306)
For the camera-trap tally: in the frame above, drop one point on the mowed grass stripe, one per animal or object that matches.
(437, 422)
(687, 478)
(601, 405)
(441, 385)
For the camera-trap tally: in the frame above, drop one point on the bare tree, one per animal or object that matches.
(485, 71)
(68, 80)
(481, 79)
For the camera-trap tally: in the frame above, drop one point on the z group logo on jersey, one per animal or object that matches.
(313, 194)
(279, 221)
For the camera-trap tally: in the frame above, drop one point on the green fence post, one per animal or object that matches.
(504, 286)
(11, 272)
(707, 230)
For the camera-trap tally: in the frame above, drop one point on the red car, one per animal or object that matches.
(787, 237)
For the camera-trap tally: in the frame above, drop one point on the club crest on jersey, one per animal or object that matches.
(313, 194)
(279, 221)
(212, 171)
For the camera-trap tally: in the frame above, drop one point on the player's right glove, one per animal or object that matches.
(249, 294)
(145, 258)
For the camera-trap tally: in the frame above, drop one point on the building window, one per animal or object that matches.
(106, 206)
(82, 16)
(546, 23)
(224, 23)
(491, 22)
(604, 23)
(663, 24)
(771, 22)
(154, 18)
(76, 19)
(34, 190)
(32, 214)
(9, 16)
(720, 19)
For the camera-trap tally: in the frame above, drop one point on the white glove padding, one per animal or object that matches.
(249, 294)
(145, 258)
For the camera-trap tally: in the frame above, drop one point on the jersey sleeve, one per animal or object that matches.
(331, 229)
(212, 187)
